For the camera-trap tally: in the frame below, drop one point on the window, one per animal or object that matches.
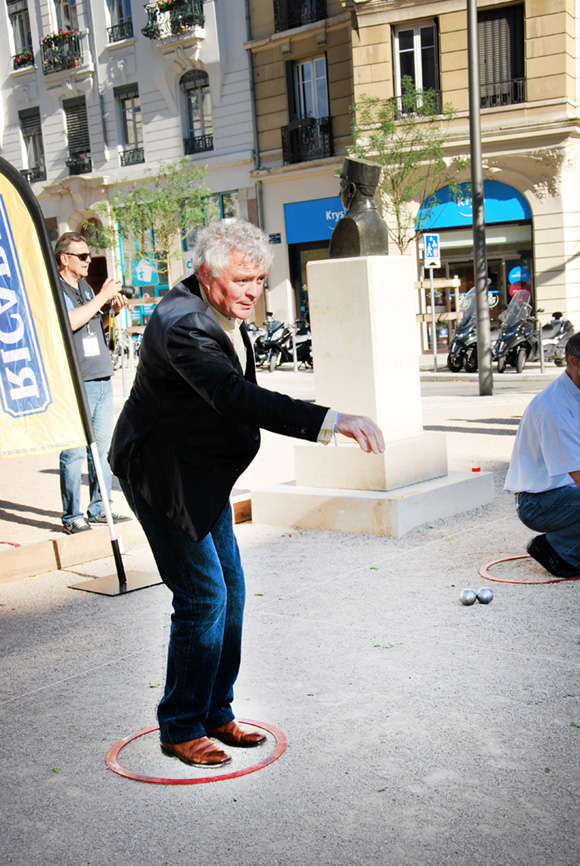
(121, 20)
(77, 131)
(198, 120)
(308, 134)
(501, 56)
(310, 89)
(221, 206)
(416, 55)
(127, 97)
(296, 13)
(66, 15)
(33, 149)
(21, 38)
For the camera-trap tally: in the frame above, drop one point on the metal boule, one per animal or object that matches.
(467, 596)
(485, 595)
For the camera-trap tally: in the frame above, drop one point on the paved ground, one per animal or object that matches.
(420, 732)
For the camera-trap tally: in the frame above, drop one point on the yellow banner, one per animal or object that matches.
(38, 408)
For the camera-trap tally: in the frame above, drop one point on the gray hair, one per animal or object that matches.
(217, 241)
(573, 347)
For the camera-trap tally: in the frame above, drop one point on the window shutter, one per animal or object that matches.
(290, 89)
(30, 121)
(501, 44)
(126, 91)
(77, 125)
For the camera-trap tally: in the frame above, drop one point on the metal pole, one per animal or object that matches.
(433, 325)
(479, 250)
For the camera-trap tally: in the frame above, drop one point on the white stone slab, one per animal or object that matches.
(405, 461)
(382, 513)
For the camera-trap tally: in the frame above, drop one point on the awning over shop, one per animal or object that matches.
(502, 204)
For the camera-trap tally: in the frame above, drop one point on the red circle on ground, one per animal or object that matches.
(114, 765)
(483, 572)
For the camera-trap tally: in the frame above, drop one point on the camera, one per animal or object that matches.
(128, 291)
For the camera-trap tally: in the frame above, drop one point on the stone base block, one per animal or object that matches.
(381, 513)
(405, 461)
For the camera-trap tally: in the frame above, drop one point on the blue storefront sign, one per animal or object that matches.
(312, 220)
(502, 204)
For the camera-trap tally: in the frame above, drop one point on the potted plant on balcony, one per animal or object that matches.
(25, 58)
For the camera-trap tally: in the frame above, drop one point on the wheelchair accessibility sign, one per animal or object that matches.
(432, 251)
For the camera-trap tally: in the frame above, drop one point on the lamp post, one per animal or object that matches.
(479, 250)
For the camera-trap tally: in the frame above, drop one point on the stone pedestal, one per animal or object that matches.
(364, 339)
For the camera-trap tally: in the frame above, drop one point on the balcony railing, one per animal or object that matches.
(124, 30)
(500, 93)
(307, 139)
(32, 174)
(197, 144)
(60, 51)
(295, 13)
(25, 58)
(420, 103)
(132, 156)
(169, 18)
(79, 164)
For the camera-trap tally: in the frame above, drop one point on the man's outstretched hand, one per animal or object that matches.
(364, 430)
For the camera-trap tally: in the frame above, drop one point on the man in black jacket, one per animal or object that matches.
(190, 427)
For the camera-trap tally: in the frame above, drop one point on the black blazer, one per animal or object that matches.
(191, 424)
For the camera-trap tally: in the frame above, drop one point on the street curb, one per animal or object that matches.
(71, 550)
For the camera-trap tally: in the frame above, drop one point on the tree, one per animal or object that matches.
(154, 217)
(407, 136)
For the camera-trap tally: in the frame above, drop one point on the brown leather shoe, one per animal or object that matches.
(199, 753)
(233, 734)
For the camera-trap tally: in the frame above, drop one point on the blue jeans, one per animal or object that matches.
(557, 513)
(207, 582)
(100, 399)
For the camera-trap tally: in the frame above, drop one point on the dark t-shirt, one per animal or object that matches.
(89, 341)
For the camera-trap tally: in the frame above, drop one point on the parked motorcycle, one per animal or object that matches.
(279, 344)
(120, 349)
(517, 339)
(257, 336)
(463, 348)
(555, 335)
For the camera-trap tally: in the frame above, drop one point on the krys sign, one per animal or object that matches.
(23, 384)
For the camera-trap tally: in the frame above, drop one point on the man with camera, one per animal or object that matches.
(88, 316)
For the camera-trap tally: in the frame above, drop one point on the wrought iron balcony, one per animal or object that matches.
(80, 163)
(310, 138)
(132, 156)
(295, 13)
(60, 51)
(426, 103)
(38, 172)
(500, 93)
(197, 144)
(172, 17)
(124, 30)
(25, 58)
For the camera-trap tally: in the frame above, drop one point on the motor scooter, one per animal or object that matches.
(517, 339)
(555, 335)
(257, 337)
(279, 342)
(463, 348)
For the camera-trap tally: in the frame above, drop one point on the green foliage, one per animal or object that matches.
(406, 135)
(153, 218)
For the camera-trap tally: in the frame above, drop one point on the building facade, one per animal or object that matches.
(96, 95)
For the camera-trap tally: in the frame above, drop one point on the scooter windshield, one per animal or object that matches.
(518, 309)
(468, 304)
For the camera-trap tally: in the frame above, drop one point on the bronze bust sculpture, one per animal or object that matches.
(362, 230)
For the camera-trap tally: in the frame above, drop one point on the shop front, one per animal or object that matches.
(508, 221)
(308, 226)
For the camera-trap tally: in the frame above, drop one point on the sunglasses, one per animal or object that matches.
(82, 256)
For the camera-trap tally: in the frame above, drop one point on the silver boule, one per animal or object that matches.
(467, 596)
(485, 595)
